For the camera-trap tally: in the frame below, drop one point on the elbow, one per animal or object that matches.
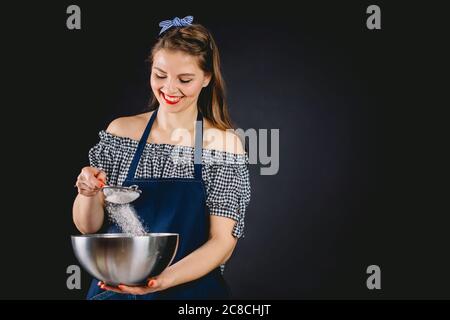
(228, 244)
(86, 219)
(84, 225)
(227, 257)
(84, 229)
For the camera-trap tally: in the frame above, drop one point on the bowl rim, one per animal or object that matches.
(124, 235)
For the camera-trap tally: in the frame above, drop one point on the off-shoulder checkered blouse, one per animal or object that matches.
(225, 174)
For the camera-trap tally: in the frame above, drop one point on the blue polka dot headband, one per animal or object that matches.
(176, 22)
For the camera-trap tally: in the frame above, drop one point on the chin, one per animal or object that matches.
(170, 108)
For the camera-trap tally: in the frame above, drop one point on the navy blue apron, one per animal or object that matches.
(175, 205)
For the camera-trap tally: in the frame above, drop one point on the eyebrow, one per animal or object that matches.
(181, 74)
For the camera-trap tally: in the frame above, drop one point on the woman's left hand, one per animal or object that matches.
(154, 284)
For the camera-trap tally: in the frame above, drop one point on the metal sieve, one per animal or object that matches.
(121, 195)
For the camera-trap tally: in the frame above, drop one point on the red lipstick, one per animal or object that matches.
(171, 99)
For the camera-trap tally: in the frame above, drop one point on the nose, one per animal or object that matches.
(170, 87)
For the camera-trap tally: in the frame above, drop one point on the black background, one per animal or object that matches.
(361, 178)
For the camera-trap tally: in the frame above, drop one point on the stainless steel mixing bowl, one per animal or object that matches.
(117, 258)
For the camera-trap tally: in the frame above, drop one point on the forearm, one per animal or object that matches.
(202, 261)
(88, 213)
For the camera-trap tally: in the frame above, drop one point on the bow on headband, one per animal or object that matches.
(176, 22)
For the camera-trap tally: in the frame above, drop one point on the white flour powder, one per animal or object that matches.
(126, 218)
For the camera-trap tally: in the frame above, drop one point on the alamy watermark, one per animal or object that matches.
(263, 148)
(374, 280)
(73, 21)
(74, 279)
(373, 22)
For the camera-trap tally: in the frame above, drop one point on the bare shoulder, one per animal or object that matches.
(129, 127)
(222, 140)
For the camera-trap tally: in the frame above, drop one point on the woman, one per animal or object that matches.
(197, 173)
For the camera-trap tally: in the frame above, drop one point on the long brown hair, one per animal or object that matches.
(197, 41)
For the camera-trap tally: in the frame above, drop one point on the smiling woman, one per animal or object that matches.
(173, 88)
(194, 184)
(186, 70)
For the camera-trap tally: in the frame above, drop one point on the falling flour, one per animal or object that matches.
(126, 218)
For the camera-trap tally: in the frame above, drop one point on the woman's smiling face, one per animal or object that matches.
(176, 79)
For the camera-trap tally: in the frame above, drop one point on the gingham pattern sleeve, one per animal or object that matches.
(225, 175)
(228, 190)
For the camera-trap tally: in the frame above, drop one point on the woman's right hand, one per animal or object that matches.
(90, 181)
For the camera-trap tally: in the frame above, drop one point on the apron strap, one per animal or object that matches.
(198, 149)
(140, 148)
